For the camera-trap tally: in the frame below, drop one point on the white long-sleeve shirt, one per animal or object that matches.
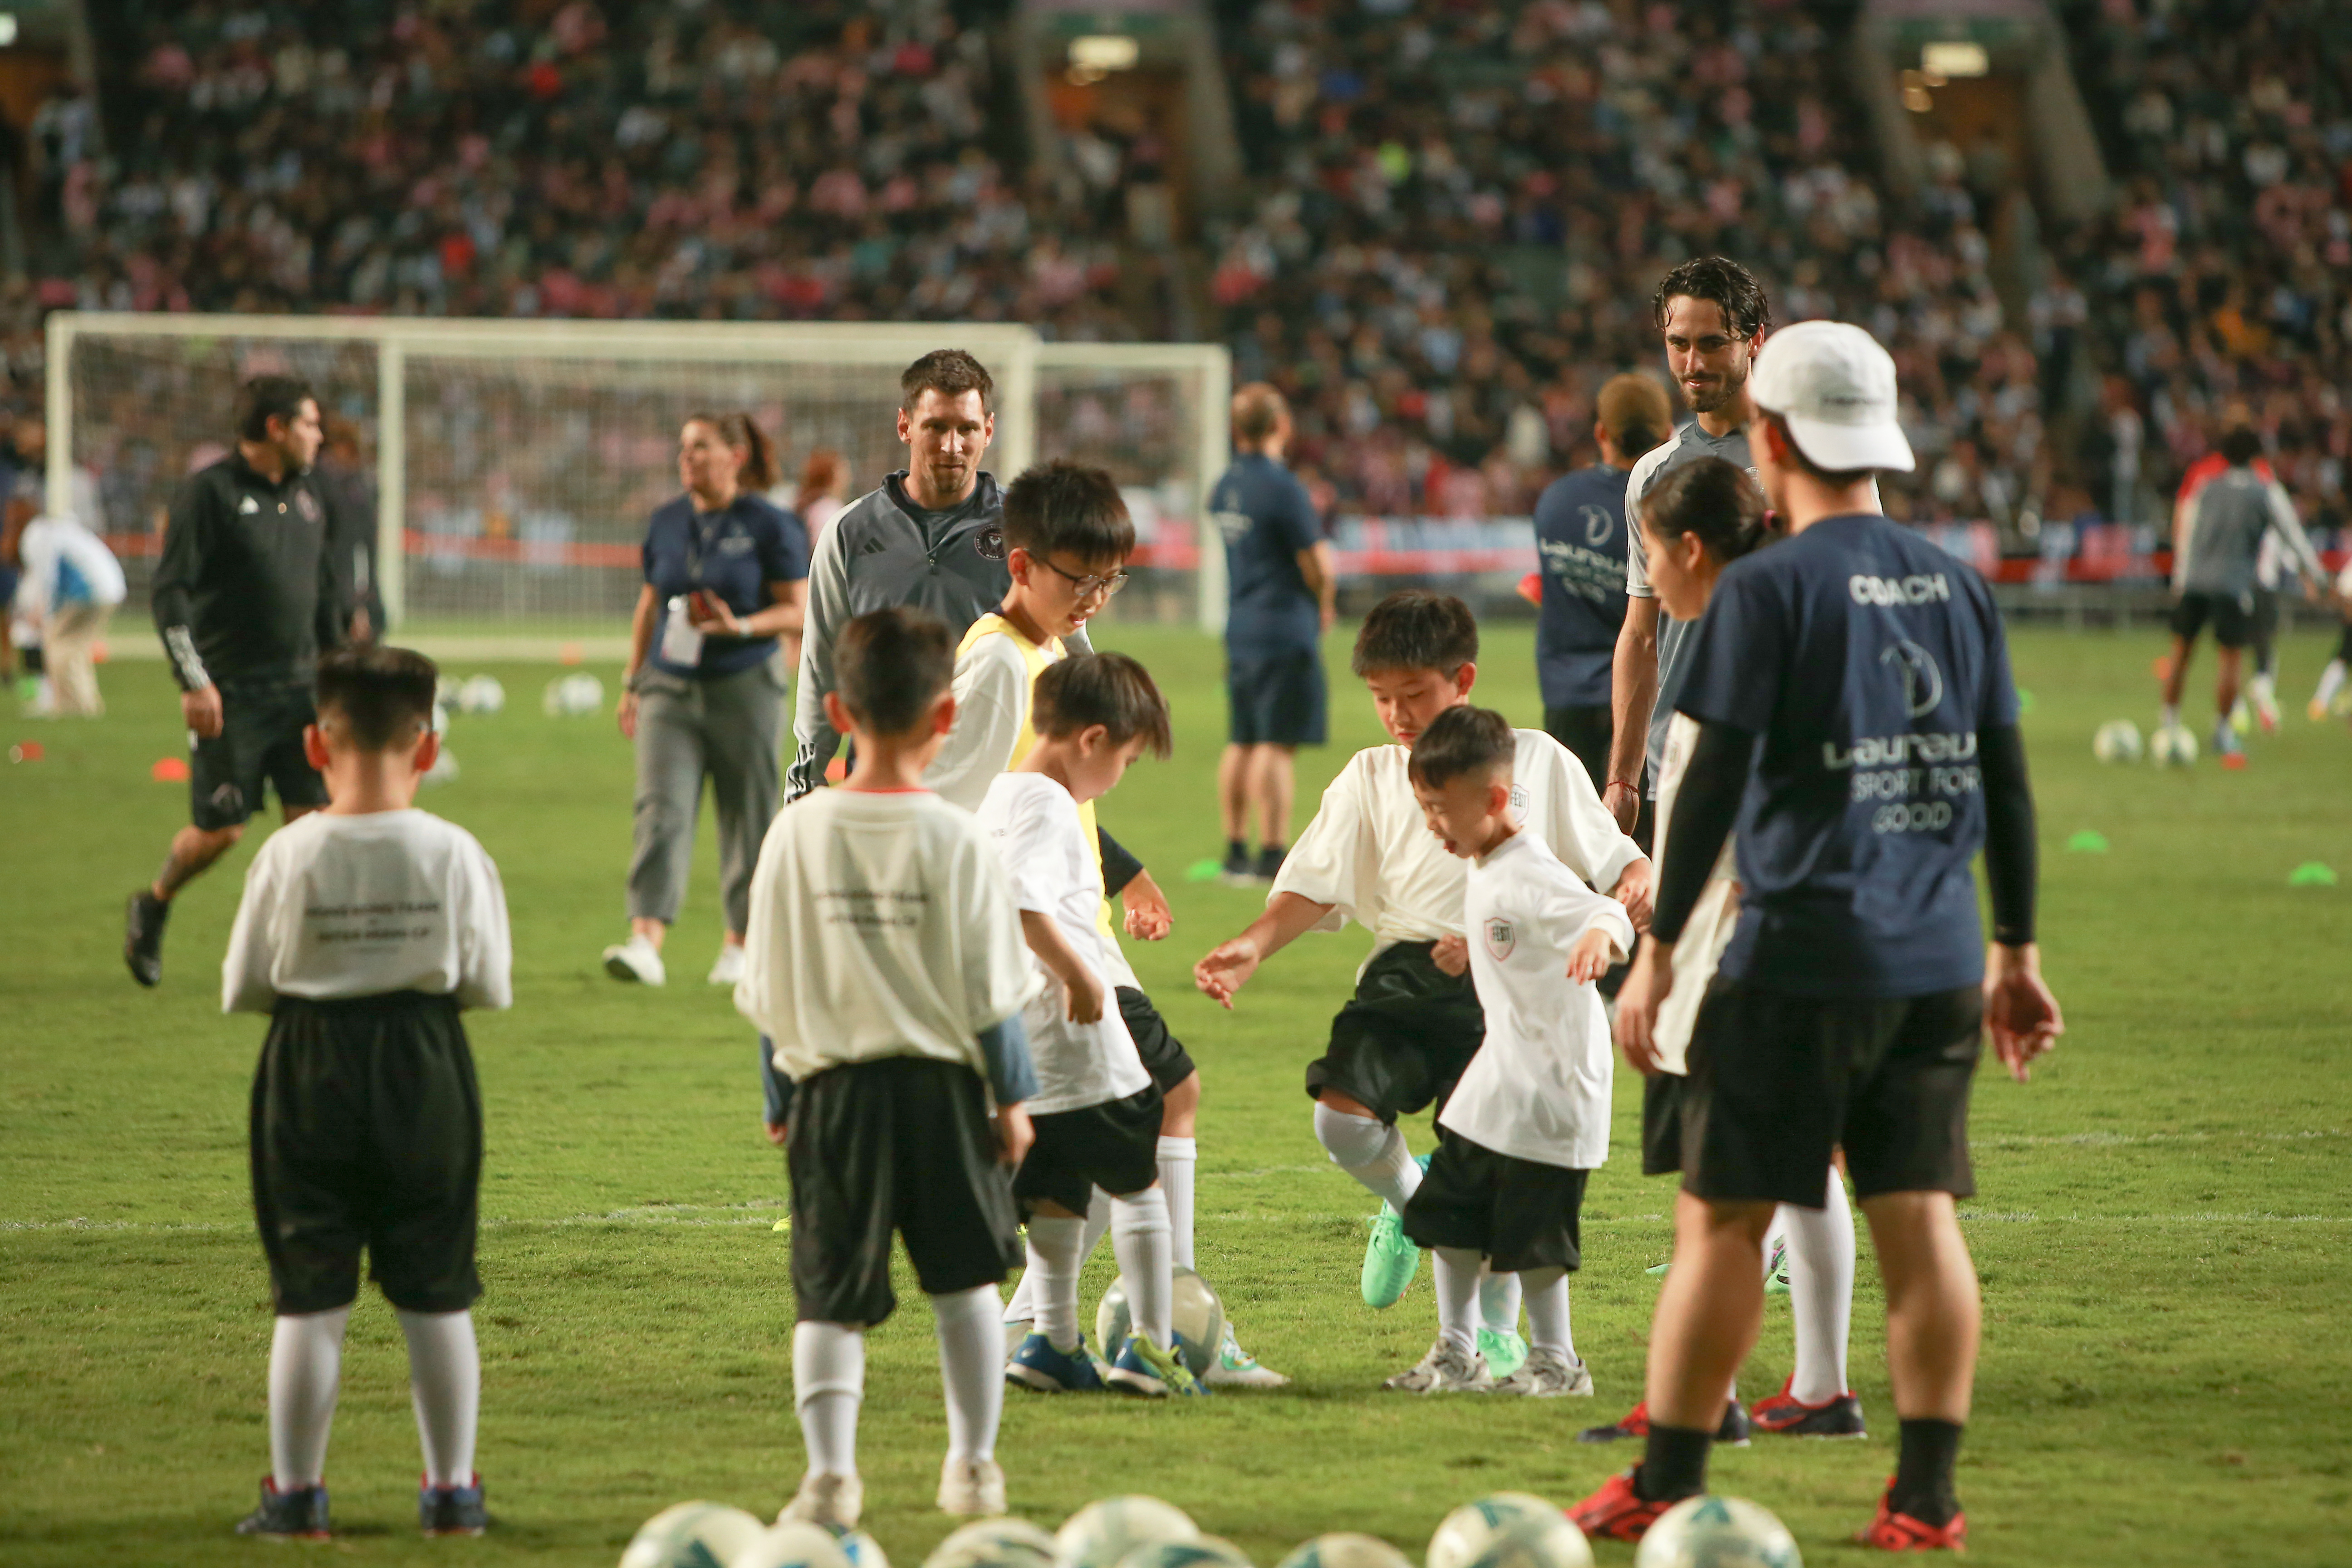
(338, 907)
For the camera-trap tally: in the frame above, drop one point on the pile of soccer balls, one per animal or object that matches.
(1508, 1529)
(2118, 741)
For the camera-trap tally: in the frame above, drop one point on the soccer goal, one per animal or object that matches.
(509, 466)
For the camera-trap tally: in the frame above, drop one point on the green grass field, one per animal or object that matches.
(2162, 1225)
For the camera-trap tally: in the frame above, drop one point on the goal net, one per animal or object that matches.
(509, 467)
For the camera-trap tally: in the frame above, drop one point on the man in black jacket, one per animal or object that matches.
(245, 596)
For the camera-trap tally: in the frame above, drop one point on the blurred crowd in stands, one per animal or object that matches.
(1454, 219)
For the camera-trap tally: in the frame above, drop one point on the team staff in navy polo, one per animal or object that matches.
(1280, 586)
(1858, 724)
(246, 595)
(725, 569)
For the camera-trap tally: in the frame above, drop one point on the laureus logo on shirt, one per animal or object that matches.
(989, 544)
(1923, 683)
(1500, 939)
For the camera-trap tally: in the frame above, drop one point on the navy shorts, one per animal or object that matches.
(1281, 700)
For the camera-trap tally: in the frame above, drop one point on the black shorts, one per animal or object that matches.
(904, 1144)
(1402, 1041)
(1777, 1081)
(367, 1134)
(2262, 627)
(1586, 732)
(1662, 1123)
(1278, 701)
(260, 739)
(1164, 1057)
(1520, 1214)
(2232, 618)
(1114, 1146)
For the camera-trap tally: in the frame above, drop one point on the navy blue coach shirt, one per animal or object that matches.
(1580, 543)
(735, 551)
(1266, 519)
(1867, 661)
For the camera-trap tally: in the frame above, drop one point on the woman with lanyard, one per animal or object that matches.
(725, 575)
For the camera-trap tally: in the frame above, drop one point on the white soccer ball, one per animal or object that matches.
(1463, 1535)
(571, 695)
(483, 694)
(1346, 1549)
(1209, 1552)
(2118, 742)
(793, 1543)
(1536, 1542)
(693, 1535)
(994, 1543)
(2174, 747)
(1102, 1533)
(1198, 1316)
(1717, 1532)
(861, 1549)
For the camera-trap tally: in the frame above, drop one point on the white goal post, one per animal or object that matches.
(509, 465)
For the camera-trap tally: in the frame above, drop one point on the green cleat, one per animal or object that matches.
(1390, 1260)
(1505, 1351)
(1660, 1269)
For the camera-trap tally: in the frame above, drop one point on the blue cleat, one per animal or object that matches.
(1038, 1365)
(297, 1515)
(452, 1510)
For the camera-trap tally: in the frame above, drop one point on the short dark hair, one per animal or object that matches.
(2240, 446)
(1106, 688)
(382, 696)
(1841, 478)
(1462, 741)
(1416, 629)
(1729, 286)
(890, 665)
(951, 373)
(1259, 408)
(267, 397)
(1713, 499)
(1063, 505)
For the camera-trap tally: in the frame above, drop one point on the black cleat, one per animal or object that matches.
(452, 1510)
(297, 1515)
(1733, 1433)
(142, 936)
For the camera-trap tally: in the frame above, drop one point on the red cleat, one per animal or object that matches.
(1732, 1433)
(1786, 1414)
(1893, 1531)
(1617, 1512)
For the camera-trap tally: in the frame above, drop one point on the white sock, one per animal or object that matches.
(1178, 1156)
(2263, 686)
(972, 1371)
(828, 1385)
(2171, 716)
(1498, 1303)
(1546, 1293)
(1457, 1295)
(1821, 1291)
(1369, 1151)
(2331, 681)
(1139, 1235)
(306, 1368)
(444, 1384)
(1055, 1256)
(1022, 1308)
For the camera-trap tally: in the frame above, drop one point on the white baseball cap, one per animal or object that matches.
(1834, 387)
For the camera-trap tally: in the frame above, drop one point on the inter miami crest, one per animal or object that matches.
(308, 504)
(989, 544)
(1500, 939)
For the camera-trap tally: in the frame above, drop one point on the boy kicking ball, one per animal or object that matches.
(364, 928)
(1095, 1111)
(1529, 1120)
(1403, 1039)
(884, 959)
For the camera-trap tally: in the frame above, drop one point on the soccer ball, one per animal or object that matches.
(861, 1549)
(2174, 747)
(1464, 1536)
(483, 694)
(1209, 1552)
(2117, 741)
(1101, 1534)
(693, 1535)
(794, 1544)
(1536, 1543)
(1347, 1549)
(1717, 1532)
(994, 1543)
(570, 695)
(1198, 1317)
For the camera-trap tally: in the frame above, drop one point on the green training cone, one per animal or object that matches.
(2088, 842)
(2312, 874)
(1204, 871)
(2024, 701)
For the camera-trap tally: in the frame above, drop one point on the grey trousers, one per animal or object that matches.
(727, 730)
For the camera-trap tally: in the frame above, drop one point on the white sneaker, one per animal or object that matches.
(1446, 1369)
(1236, 1368)
(971, 1488)
(1547, 1374)
(1015, 1330)
(828, 1499)
(730, 967)
(636, 959)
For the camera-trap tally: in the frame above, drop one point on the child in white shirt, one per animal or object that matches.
(1529, 1121)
